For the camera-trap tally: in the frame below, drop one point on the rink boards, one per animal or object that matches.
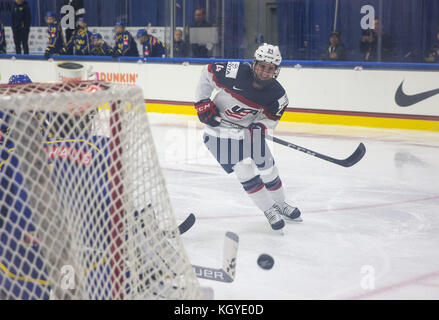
(319, 117)
(344, 94)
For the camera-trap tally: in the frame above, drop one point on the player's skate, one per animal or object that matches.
(274, 217)
(290, 212)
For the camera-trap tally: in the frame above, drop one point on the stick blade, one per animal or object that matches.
(187, 224)
(354, 158)
(227, 272)
(212, 274)
(231, 242)
(232, 236)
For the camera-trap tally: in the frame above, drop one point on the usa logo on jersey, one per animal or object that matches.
(239, 113)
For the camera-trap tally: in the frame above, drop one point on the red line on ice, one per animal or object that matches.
(395, 286)
(335, 209)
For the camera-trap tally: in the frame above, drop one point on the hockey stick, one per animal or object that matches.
(228, 270)
(348, 162)
(182, 228)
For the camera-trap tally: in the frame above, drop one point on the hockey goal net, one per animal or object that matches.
(84, 209)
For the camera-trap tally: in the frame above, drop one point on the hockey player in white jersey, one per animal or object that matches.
(250, 96)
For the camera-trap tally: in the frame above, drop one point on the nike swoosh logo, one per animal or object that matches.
(237, 89)
(404, 100)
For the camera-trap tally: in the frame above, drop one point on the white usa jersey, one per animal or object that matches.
(237, 100)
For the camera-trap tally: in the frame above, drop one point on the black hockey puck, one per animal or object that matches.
(265, 261)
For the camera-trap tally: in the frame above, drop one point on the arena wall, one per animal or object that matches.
(346, 95)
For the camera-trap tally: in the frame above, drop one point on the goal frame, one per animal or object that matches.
(117, 212)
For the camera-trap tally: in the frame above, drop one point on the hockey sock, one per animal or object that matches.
(257, 192)
(273, 184)
(276, 190)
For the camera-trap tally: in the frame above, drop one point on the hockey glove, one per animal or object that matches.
(207, 112)
(47, 55)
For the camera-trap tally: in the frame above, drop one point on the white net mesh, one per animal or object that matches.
(84, 210)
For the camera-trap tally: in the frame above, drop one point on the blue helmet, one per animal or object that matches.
(120, 23)
(141, 33)
(50, 14)
(80, 19)
(97, 36)
(19, 78)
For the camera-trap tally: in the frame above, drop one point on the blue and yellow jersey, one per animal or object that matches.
(80, 43)
(56, 39)
(101, 50)
(153, 47)
(125, 45)
(70, 161)
(2, 38)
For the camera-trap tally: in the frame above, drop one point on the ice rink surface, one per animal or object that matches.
(369, 232)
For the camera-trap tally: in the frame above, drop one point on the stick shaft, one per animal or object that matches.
(348, 162)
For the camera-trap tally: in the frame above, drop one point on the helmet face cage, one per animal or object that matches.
(276, 73)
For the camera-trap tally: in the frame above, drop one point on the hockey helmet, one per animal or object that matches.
(50, 14)
(19, 79)
(269, 54)
(96, 36)
(141, 33)
(81, 22)
(120, 23)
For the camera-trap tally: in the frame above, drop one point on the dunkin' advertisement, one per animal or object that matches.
(72, 71)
